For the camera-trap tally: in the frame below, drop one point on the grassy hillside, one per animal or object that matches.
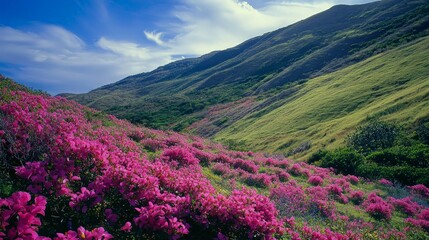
(70, 172)
(178, 94)
(392, 86)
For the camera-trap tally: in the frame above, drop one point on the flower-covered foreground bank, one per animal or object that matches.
(70, 172)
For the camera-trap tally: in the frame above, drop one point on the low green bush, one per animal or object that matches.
(380, 150)
(344, 160)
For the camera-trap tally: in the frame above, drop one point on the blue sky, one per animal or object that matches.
(78, 45)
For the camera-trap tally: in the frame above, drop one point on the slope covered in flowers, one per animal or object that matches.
(69, 172)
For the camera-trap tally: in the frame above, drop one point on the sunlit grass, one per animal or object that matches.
(392, 86)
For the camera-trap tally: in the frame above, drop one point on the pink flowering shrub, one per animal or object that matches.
(223, 170)
(153, 144)
(356, 197)
(385, 182)
(260, 180)
(406, 205)
(335, 189)
(246, 165)
(421, 189)
(296, 169)
(283, 176)
(377, 207)
(290, 199)
(180, 156)
(353, 179)
(204, 158)
(315, 180)
(88, 170)
(18, 219)
(342, 182)
(82, 233)
(421, 221)
(97, 173)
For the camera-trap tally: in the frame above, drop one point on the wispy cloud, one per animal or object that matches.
(57, 60)
(154, 36)
(206, 26)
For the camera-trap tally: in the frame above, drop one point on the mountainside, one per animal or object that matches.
(391, 86)
(262, 71)
(71, 172)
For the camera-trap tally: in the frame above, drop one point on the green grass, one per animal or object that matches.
(392, 86)
(181, 93)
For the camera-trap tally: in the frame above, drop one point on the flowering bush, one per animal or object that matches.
(353, 179)
(261, 180)
(315, 180)
(180, 156)
(421, 189)
(357, 197)
(385, 182)
(406, 205)
(18, 219)
(87, 170)
(245, 165)
(421, 221)
(377, 207)
(290, 199)
(283, 176)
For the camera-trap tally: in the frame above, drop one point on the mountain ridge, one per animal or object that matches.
(267, 68)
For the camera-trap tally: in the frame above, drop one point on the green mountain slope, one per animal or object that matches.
(392, 86)
(181, 93)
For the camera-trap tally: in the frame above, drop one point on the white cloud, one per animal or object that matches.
(62, 62)
(213, 25)
(154, 36)
(125, 49)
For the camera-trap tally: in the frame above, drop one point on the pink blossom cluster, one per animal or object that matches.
(66, 154)
(385, 182)
(315, 180)
(18, 219)
(357, 197)
(135, 182)
(82, 233)
(422, 220)
(377, 207)
(406, 205)
(421, 189)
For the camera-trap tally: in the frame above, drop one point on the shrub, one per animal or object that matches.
(315, 180)
(344, 160)
(223, 170)
(260, 180)
(182, 156)
(385, 182)
(283, 176)
(335, 189)
(18, 220)
(373, 136)
(356, 197)
(377, 207)
(289, 199)
(246, 165)
(422, 220)
(379, 211)
(353, 179)
(406, 205)
(421, 189)
(404, 174)
(416, 156)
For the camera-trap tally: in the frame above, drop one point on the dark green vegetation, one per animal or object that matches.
(381, 150)
(178, 94)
